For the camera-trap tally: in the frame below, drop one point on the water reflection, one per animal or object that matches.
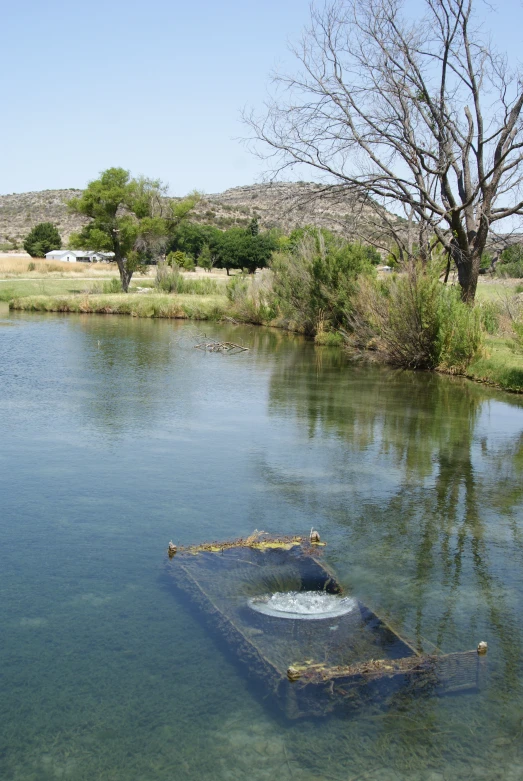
(119, 435)
(435, 492)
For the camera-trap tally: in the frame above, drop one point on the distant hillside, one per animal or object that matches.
(283, 205)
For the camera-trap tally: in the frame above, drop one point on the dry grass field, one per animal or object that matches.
(33, 268)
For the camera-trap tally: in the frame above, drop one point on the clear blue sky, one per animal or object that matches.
(154, 86)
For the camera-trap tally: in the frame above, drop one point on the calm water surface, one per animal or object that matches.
(117, 435)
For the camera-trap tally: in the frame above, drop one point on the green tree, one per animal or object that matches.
(191, 238)
(206, 258)
(129, 216)
(240, 248)
(43, 238)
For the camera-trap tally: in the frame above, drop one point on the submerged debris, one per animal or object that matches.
(213, 346)
(309, 669)
(254, 540)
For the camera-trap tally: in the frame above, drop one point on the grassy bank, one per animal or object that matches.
(165, 305)
(500, 364)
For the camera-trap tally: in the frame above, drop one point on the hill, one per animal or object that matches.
(282, 205)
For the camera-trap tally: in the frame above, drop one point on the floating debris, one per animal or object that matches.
(213, 346)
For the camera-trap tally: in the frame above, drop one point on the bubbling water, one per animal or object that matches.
(307, 605)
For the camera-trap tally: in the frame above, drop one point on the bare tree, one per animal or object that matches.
(422, 114)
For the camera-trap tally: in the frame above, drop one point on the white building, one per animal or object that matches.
(79, 256)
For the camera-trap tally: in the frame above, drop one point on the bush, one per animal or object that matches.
(237, 288)
(181, 260)
(459, 332)
(414, 321)
(315, 279)
(43, 238)
(329, 339)
(510, 270)
(511, 262)
(31, 266)
(489, 312)
(518, 334)
(112, 286)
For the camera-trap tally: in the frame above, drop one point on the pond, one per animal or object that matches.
(118, 435)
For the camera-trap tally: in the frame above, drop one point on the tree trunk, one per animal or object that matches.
(468, 272)
(125, 274)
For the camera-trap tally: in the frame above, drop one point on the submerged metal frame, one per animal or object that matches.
(311, 687)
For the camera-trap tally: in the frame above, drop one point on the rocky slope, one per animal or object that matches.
(282, 205)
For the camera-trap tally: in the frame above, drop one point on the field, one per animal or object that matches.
(24, 266)
(497, 289)
(54, 286)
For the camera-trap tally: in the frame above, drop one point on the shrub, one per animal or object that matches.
(511, 262)
(181, 260)
(112, 286)
(415, 321)
(206, 259)
(518, 334)
(510, 270)
(329, 338)
(315, 279)
(31, 266)
(237, 288)
(489, 312)
(459, 331)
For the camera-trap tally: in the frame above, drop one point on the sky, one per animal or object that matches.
(156, 86)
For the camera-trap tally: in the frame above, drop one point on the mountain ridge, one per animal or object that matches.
(282, 205)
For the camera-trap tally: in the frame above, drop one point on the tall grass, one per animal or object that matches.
(137, 305)
(252, 298)
(170, 280)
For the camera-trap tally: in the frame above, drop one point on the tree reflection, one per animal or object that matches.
(434, 526)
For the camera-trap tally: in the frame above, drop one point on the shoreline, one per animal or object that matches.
(504, 373)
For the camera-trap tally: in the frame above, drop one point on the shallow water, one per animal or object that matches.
(117, 435)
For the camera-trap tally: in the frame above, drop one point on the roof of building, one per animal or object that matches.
(84, 253)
